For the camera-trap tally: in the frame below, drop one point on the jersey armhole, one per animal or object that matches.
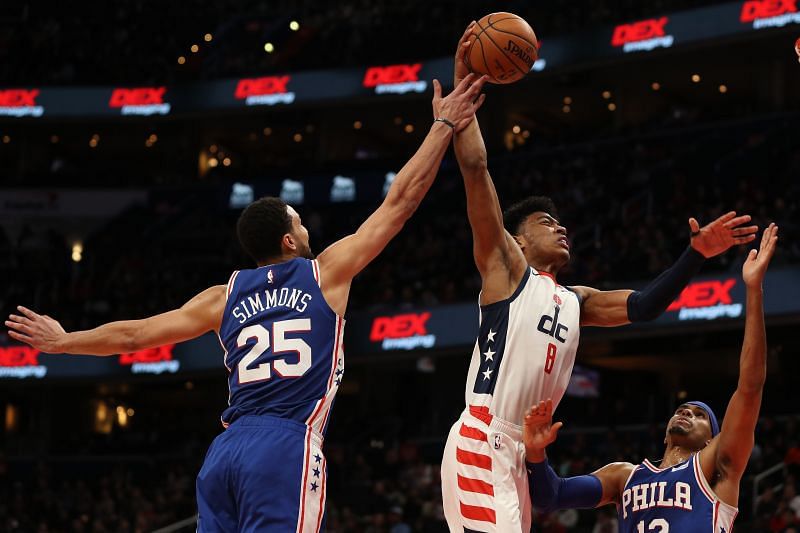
(517, 291)
(316, 271)
(578, 296)
(229, 287)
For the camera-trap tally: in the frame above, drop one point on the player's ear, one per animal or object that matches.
(519, 241)
(289, 243)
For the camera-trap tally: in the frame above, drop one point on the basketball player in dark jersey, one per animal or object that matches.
(281, 328)
(695, 487)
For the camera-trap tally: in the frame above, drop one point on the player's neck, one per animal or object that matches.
(550, 270)
(275, 260)
(674, 455)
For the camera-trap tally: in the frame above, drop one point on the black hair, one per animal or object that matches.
(514, 216)
(261, 227)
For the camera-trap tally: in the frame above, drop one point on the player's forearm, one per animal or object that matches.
(753, 361)
(471, 151)
(417, 175)
(108, 339)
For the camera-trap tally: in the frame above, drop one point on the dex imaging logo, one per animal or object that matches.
(396, 79)
(402, 332)
(707, 300)
(142, 101)
(20, 103)
(269, 90)
(152, 361)
(21, 362)
(769, 13)
(644, 35)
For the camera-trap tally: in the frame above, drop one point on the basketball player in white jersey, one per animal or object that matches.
(281, 326)
(528, 334)
(695, 487)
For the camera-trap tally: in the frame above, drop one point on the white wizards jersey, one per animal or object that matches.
(525, 349)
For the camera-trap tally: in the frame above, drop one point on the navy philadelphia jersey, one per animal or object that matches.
(283, 344)
(677, 499)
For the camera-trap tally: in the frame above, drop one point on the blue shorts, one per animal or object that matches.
(263, 474)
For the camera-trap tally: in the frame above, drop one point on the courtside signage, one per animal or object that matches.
(151, 361)
(142, 101)
(708, 300)
(395, 79)
(645, 35)
(267, 90)
(407, 331)
(769, 13)
(21, 362)
(20, 103)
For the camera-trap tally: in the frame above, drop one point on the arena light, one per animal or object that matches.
(655, 86)
(723, 89)
(526, 134)
(94, 141)
(226, 162)
(194, 48)
(409, 128)
(606, 94)
(357, 125)
(181, 60)
(208, 37)
(294, 25)
(269, 48)
(612, 106)
(54, 139)
(213, 162)
(297, 137)
(130, 412)
(567, 100)
(267, 132)
(153, 138)
(398, 120)
(6, 139)
(77, 252)
(213, 148)
(696, 78)
(516, 129)
(565, 109)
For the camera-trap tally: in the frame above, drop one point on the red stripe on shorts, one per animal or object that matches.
(475, 485)
(472, 433)
(473, 459)
(473, 512)
(481, 413)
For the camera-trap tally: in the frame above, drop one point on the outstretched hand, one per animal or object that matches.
(539, 431)
(460, 69)
(718, 236)
(459, 106)
(755, 266)
(39, 331)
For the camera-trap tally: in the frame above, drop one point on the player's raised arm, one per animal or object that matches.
(200, 314)
(498, 258)
(725, 459)
(341, 261)
(615, 308)
(550, 492)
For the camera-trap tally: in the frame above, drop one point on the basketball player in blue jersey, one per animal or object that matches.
(695, 487)
(529, 332)
(281, 328)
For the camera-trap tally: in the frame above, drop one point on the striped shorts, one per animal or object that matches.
(484, 479)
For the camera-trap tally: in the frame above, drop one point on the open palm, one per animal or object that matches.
(718, 236)
(755, 266)
(539, 430)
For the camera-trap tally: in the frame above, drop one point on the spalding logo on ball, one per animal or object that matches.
(504, 48)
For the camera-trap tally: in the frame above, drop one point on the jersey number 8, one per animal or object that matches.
(280, 344)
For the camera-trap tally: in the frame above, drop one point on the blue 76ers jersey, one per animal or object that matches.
(283, 344)
(677, 499)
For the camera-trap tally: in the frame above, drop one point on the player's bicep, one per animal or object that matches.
(603, 308)
(737, 437)
(199, 315)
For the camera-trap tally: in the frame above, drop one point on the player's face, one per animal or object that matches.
(544, 240)
(689, 427)
(299, 234)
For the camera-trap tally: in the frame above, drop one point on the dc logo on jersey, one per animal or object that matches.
(549, 326)
(270, 277)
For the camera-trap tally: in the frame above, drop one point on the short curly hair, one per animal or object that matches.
(262, 225)
(514, 216)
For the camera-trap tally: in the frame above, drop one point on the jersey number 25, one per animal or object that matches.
(280, 344)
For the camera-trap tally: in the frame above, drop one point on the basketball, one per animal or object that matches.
(797, 46)
(504, 48)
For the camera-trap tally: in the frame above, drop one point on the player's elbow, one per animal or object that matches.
(473, 164)
(638, 311)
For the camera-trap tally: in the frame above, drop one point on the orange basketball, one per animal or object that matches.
(503, 47)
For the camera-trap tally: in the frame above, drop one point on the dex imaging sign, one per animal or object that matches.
(708, 300)
(644, 35)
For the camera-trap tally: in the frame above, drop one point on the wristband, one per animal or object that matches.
(442, 119)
